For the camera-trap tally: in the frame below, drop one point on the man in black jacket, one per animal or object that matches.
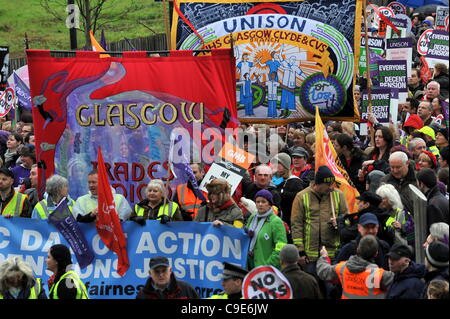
(368, 202)
(162, 283)
(401, 176)
(263, 179)
(437, 204)
(367, 225)
(304, 285)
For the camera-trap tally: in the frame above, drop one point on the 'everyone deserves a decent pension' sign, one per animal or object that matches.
(196, 252)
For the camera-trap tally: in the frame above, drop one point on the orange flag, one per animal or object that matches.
(326, 155)
(96, 46)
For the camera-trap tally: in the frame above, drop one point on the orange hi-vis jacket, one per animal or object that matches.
(187, 200)
(363, 285)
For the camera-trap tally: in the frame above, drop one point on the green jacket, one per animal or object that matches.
(271, 239)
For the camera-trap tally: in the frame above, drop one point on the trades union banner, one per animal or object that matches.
(291, 56)
(128, 105)
(196, 252)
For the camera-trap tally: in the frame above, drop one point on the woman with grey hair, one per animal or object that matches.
(399, 225)
(438, 232)
(17, 281)
(156, 206)
(57, 189)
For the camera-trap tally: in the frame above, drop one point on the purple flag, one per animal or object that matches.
(373, 62)
(22, 92)
(179, 161)
(64, 221)
(103, 41)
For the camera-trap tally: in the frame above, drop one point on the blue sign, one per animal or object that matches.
(196, 252)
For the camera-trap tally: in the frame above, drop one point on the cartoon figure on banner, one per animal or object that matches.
(288, 84)
(274, 64)
(246, 94)
(244, 66)
(272, 95)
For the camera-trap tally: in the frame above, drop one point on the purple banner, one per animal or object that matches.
(64, 221)
(22, 92)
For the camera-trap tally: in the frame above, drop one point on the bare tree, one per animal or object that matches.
(91, 17)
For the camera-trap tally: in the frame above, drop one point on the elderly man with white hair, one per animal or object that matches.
(401, 176)
(416, 146)
(432, 91)
(86, 206)
(156, 206)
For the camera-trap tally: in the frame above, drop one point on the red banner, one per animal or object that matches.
(127, 105)
(108, 223)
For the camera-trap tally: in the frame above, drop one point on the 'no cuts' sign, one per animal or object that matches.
(6, 101)
(266, 282)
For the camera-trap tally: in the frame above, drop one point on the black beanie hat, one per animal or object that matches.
(324, 175)
(62, 256)
(437, 254)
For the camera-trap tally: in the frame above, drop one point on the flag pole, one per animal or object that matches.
(369, 81)
(166, 24)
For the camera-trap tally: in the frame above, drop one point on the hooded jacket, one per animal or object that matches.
(437, 207)
(414, 121)
(304, 285)
(177, 289)
(408, 284)
(438, 274)
(355, 264)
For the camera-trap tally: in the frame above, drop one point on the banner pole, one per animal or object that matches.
(166, 25)
(369, 81)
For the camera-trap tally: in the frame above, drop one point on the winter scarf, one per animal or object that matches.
(256, 225)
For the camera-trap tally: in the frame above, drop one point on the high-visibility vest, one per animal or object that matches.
(306, 241)
(187, 199)
(15, 205)
(34, 291)
(81, 288)
(363, 285)
(221, 296)
(44, 211)
(163, 210)
(399, 216)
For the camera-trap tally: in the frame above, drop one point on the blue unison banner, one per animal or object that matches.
(196, 252)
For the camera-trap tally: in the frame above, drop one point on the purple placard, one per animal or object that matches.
(438, 46)
(393, 75)
(380, 104)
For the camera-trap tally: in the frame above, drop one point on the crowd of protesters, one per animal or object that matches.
(296, 218)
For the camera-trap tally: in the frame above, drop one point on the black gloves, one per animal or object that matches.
(164, 219)
(140, 220)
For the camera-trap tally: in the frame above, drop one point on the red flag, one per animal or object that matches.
(425, 72)
(108, 223)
